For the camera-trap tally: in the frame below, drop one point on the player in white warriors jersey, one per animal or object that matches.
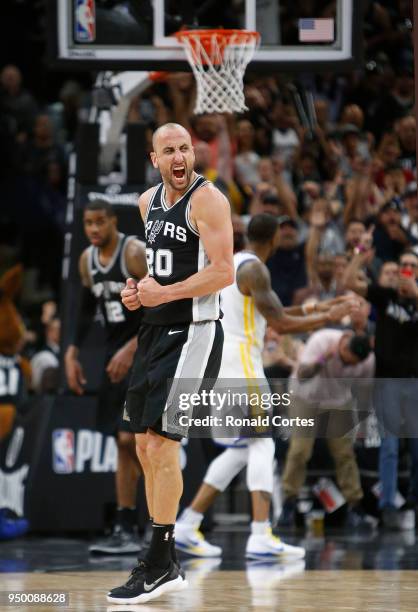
(249, 305)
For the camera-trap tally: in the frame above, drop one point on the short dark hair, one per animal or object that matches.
(101, 205)
(355, 220)
(262, 228)
(407, 251)
(360, 346)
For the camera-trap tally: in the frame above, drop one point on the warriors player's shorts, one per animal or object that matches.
(242, 360)
(242, 373)
(169, 361)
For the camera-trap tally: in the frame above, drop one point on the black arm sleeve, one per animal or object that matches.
(85, 314)
(379, 296)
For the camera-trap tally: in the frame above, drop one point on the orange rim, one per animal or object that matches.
(158, 77)
(224, 38)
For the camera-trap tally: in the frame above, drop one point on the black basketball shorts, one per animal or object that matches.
(110, 403)
(168, 362)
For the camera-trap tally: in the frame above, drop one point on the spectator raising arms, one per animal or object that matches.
(396, 348)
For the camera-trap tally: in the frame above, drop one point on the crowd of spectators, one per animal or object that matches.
(353, 174)
(349, 169)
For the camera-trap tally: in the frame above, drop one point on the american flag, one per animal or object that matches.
(316, 30)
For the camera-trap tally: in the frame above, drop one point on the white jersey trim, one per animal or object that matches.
(189, 223)
(164, 202)
(90, 263)
(106, 269)
(150, 202)
(205, 307)
(200, 266)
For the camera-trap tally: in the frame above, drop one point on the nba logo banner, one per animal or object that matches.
(63, 451)
(85, 21)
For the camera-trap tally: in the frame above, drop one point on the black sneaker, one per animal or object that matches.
(146, 583)
(120, 542)
(176, 562)
(181, 572)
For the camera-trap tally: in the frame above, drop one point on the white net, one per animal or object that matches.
(219, 60)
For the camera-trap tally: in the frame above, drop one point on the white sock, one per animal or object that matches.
(259, 527)
(190, 517)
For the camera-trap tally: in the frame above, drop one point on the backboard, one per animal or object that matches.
(138, 34)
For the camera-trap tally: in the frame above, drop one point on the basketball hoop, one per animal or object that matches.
(218, 59)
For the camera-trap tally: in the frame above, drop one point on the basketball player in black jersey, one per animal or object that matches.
(104, 267)
(189, 248)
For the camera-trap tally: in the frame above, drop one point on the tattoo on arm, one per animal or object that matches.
(253, 279)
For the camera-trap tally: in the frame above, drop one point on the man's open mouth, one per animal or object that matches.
(179, 172)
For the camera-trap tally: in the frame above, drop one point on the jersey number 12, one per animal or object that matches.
(114, 312)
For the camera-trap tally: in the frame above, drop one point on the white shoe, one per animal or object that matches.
(268, 546)
(190, 540)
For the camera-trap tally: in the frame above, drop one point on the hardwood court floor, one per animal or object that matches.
(258, 589)
(342, 573)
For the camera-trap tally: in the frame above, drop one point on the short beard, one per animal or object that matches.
(105, 242)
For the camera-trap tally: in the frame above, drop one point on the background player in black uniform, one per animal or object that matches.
(189, 242)
(104, 267)
(15, 377)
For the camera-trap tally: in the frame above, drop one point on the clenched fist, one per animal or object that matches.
(130, 295)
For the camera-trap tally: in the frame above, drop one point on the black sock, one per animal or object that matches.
(127, 518)
(174, 552)
(159, 553)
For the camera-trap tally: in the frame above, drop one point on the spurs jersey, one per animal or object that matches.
(175, 252)
(244, 330)
(107, 283)
(12, 382)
